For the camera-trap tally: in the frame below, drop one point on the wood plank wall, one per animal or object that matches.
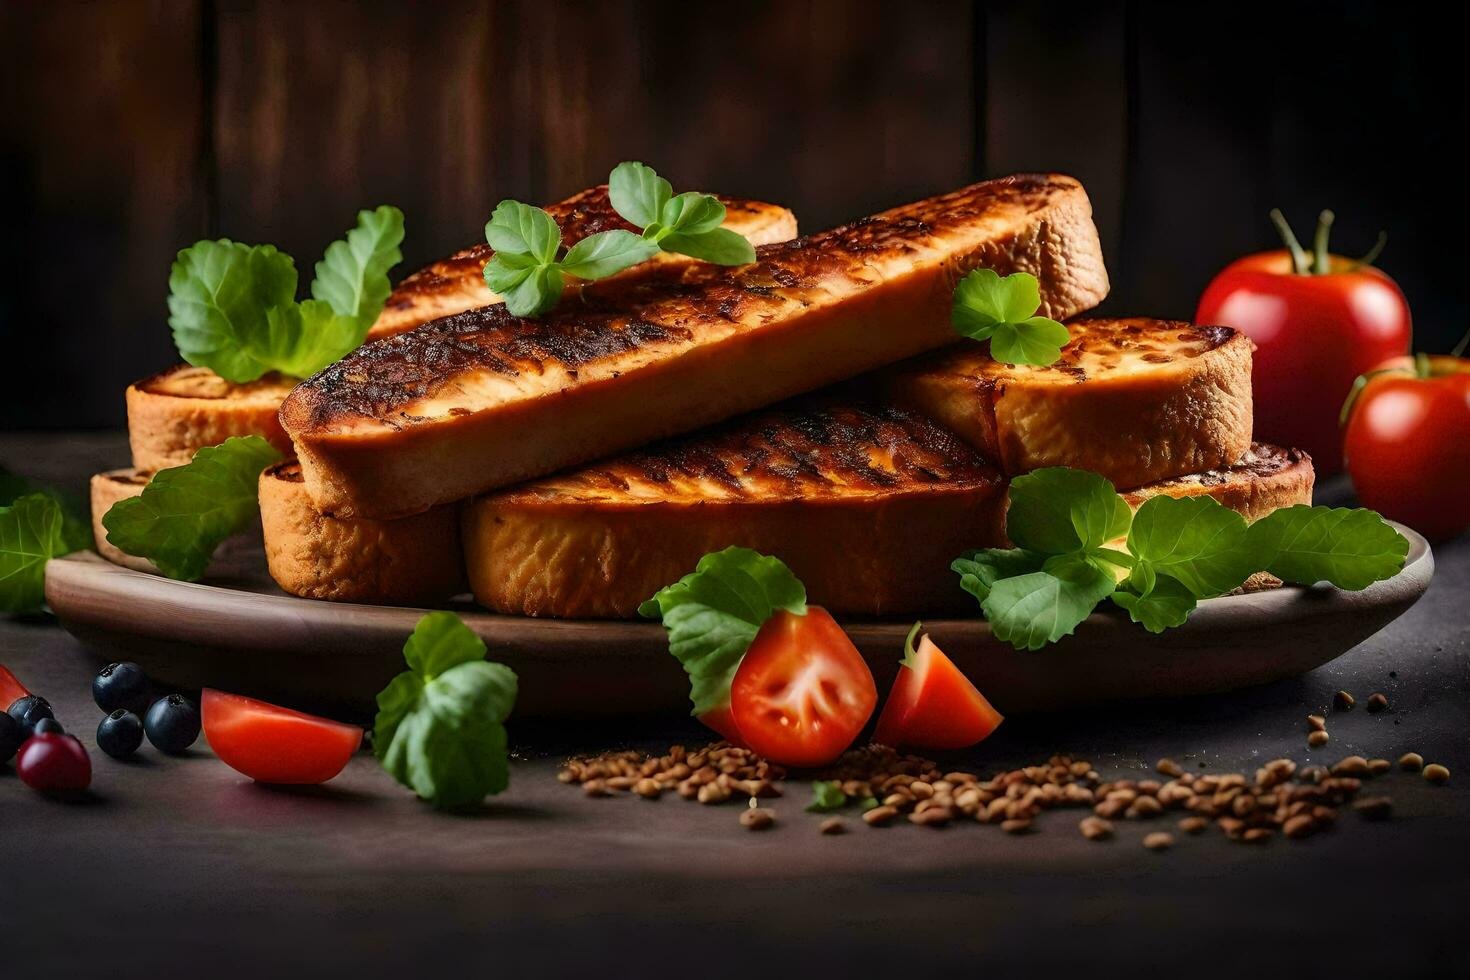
(130, 128)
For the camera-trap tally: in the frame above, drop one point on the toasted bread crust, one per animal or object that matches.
(175, 413)
(1264, 479)
(457, 283)
(867, 505)
(482, 400)
(408, 562)
(1137, 400)
(107, 489)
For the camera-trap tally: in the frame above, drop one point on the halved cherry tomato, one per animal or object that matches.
(722, 720)
(933, 705)
(803, 692)
(276, 745)
(1408, 442)
(11, 690)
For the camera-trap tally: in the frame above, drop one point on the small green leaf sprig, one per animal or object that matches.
(1176, 552)
(529, 268)
(1002, 310)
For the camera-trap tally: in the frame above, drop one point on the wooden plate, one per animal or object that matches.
(237, 631)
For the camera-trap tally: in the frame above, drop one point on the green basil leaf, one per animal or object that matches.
(507, 270)
(76, 528)
(1195, 540)
(219, 295)
(606, 253)
(1166, 605)
(441, 641)
(353, 274)
(185, 512)
(638, 193)
(31, 534)
(713, 613)
(720, 246)
(827, 796)
(303, 338)
(692, 213)
(979, 570)
(1035, 340)
(537, 293)
(1352, 549)
(520, 228)
(1059, 510)
(1030, 611)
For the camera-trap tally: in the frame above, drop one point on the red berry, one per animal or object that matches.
(50, 763)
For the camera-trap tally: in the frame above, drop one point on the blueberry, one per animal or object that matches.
(29, 710)
(48, 726)
(12, 734)
(121, 686)
(120, 734)
(172, 724)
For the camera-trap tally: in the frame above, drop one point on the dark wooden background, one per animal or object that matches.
(130, 129)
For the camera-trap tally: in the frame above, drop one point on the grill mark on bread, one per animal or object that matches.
(386, 375)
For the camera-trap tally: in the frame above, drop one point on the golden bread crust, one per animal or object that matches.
(177, 412)
(867, 505)
(107, 489)
(457, 283)
(1264, 479)
(414, 561)
(482, 400)
(1138, 400)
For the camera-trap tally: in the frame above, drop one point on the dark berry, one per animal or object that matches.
(48, 726)
(172, 724)
(120, 734)
(29, 710)
(121, 686)
(12, 734)
(54, 764)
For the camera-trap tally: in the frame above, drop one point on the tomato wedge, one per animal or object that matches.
(803, 692)
(933, 705)
(276, 745)
(11, 690)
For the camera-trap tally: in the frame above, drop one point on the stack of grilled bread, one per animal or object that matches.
(816, 405)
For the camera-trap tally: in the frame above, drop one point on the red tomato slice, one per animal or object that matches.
(722, 720)
(803, 692)
(276, 745)
(933, 705)
(11, 690)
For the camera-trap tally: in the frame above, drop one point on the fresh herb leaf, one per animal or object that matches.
(1002, 311)
(520, 229)
(440, 728)
(185, 512)
(352, 276)
(1196, 540)
(76, 529)
(827, 796)
(1030, 611)
(1167, 604)
(687, 223)
(1351, 549)
(220, 294)
(305, 337)
(1058, 510)
(713, 613)
(605, 254)
(31, 534)
(979, 570)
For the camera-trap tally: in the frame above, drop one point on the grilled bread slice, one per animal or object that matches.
(411, 561)
(457, 283)
(1264, 479)
(174, 414)
(482, 400)
(868, 505)
(1137, 400)
(107, 489)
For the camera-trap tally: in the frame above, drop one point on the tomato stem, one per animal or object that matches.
(1421, 365)
(1288, 237)
(1373, 253)
(1459, 349)
(1321, 264)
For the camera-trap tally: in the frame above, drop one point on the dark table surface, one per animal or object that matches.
(181, 864)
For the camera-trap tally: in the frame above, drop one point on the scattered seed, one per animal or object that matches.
(936, 816)
(1353, 765)
(1436, 774)
(1411, 762)
(1312, 774)
(648, 788)
(1158, 841)
(1016, 826)
(1095, 828)
(596, 787)
(1378, 767)
(1168, 767)
(757, 818)
(1374, 807)
(1376, 703)
(1257, 835)
(1193, 825)
(1316, 723)
(833, 825)
(1299, 826)
(880, 816)
(1343, 701)
(1317, 739)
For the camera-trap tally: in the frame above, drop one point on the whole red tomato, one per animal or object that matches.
(1408, 443)
(1318, 322)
